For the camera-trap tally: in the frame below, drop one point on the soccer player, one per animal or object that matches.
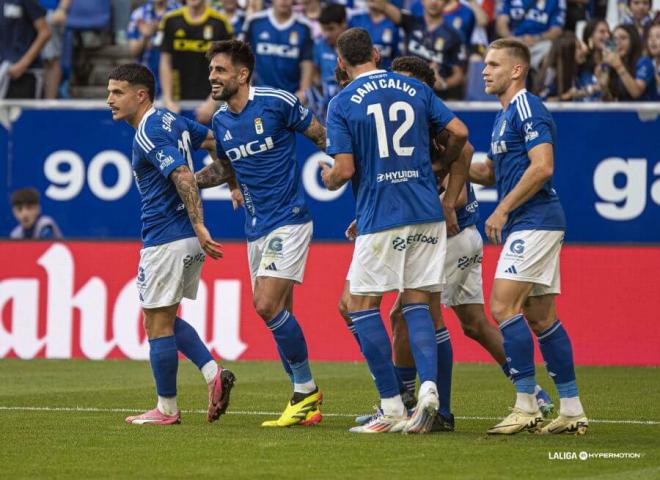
(462, 289)
(175, 238)
(256, 130)
(378, 128)
(529, 221)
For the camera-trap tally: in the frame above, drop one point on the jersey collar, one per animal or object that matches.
(146, 115)
(251, 93)
(370, 72)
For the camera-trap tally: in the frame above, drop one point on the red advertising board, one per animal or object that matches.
(79, 300)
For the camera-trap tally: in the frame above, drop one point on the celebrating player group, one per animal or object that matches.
(409, 161)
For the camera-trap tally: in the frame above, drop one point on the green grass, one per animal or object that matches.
(97, 444)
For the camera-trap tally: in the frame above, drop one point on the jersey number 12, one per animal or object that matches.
(376, 109)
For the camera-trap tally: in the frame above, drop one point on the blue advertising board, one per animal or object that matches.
(607, 172)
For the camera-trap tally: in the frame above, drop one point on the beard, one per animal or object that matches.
(228, 91)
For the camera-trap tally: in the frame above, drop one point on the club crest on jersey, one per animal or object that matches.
(387, 35)
(502, 128)
(293, 38)
(208, 32)
(457, 23)
(258, 126)
(180, 33)
(439, 43)
(540, 4)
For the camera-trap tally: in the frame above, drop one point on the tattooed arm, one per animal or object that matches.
(218, 172)
(184, 180)
(316, 133)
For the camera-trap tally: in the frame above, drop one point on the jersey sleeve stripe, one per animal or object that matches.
(281, 97)
(526, 105)
(142, 134)
(142, 145)
(290, 96)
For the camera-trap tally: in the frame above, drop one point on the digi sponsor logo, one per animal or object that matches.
(251, 148)
(398, 176)
(400, 244)
(274, 50)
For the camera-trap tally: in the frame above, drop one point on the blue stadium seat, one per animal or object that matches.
(475, 83)
(89, 15)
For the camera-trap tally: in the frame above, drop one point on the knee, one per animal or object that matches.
(266, 308)
(539, 324)
(471, 329)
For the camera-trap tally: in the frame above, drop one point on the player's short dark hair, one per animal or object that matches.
(514, 47)
(238, 51)
(333, 13)
(25, 196)
(135, 74)
(355, 46)
(416, 67)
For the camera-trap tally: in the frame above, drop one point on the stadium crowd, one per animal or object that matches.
(582, 50)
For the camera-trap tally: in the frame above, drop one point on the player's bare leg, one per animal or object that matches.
(557, 351)
(164, 358)
(507, 299)
(271, 298)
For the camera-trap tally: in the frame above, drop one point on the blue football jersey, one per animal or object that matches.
(383, 119)
(384, 35)
(325, 58)
(525, 124)
(468, 214)
(260, 141)
(441, 45)
(645, 70)
(533, 17)
(279, 49)
(163, 141)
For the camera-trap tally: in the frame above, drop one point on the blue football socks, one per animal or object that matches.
(445, 367)
(519, 349)
(189, 343)
(164, 359)
(557, 352)
(291, 341)
(422, 340)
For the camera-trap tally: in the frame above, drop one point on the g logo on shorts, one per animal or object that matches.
(517, 246)
(275, 245)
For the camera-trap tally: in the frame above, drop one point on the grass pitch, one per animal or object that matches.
(42, 435)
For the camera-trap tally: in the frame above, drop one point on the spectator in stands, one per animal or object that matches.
(653, 47)
(187, 33)
(576, 11)
(143, 38)
(640, 16)
(429, 37)
(31, 223)
(557, 79)
(234, 13)
(536, 23)
(592, 73)
(283, 47)
(333, 23)
(56, 11)
(457, 14)
(631, 76)
(23, 34)
(384, 32)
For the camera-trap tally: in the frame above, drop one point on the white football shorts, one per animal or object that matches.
(465, 253)
(532, 256)
(400, 258)
(282, 253)
(169, 272)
